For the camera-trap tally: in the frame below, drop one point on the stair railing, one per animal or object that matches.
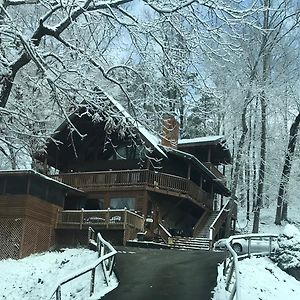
(231, 267)
(164, 233)
(212, 227)
(106, 258)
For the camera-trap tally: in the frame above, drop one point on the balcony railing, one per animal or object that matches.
(151, 180)
(109, 218)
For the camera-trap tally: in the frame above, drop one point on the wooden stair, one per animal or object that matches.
(204, 232)
(190, 243)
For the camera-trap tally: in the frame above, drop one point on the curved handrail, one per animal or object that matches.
(106, 258)
(233, 265)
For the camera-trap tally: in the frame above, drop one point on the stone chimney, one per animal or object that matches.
(170, 134)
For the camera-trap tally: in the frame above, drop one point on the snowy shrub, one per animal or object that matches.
(287, 255)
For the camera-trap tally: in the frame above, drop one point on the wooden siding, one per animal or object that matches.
(28, 206)
(26, 224)
(138, 179)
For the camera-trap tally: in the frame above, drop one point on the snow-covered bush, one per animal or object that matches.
(288, 254)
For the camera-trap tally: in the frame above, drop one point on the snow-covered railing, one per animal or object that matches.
(217, 223)
(231, 267)
(164, 233)
(106, 259)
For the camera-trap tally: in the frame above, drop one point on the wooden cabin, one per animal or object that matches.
(134, 182)
(102, 168)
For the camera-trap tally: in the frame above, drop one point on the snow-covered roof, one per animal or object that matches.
(35, 173)
(202, 140)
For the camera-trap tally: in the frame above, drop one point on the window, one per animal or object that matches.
(128, 152)
(121, 203)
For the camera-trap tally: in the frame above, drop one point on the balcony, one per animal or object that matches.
(216, 172)
(137, 179)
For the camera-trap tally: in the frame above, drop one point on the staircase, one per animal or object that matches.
(190, 243)
(200, 242)
(204, 232)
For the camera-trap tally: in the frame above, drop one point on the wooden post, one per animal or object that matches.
(57, 217)
(125, 218)
(92, 287)
(189, 172)
(200, 183)
(81, 218)
(107, 218)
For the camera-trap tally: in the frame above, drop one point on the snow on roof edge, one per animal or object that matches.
(204, 139)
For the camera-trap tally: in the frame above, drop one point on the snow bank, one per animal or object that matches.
(34, 277)
(260, 279)
(288, 254)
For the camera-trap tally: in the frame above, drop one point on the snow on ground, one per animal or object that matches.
(36, 276)
(261, 278)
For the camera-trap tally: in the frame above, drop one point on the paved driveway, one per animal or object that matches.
(154, 274)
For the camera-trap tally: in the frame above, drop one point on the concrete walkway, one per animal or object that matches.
(154, 274)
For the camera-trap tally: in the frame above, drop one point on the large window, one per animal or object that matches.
(121, 203)
(128, 152)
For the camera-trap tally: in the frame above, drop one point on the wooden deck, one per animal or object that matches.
(137, 179)
(99, 219)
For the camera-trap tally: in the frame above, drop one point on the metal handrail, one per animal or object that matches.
(106, 258)
(212, 226)
(233, 265)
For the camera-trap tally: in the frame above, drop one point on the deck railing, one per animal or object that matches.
(108, 218)
(160, 182)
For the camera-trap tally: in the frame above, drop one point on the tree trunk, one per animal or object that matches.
(261, 171)
(263, 102)
(281, 211)
(237, 165)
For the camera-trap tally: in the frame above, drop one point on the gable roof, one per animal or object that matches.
(92, 118)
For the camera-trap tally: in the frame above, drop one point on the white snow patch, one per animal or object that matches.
(34, 277)
(204, 139)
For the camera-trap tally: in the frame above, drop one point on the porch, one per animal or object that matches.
(117, 219)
